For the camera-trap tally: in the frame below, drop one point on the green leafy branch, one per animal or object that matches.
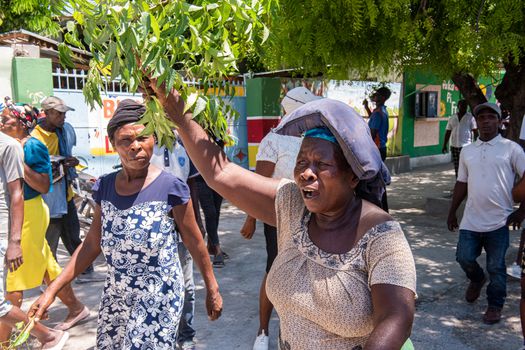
(174, 42)
(20, 336)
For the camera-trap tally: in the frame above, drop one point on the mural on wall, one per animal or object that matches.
(94, 148)
(354, 92)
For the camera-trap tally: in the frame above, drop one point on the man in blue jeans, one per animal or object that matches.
(487, 169)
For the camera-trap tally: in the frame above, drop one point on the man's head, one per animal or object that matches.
(462, 107)
(55, 110)
(381, 95)
(488, 117)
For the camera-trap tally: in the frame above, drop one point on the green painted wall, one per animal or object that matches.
(450, 95)
(263, 97)
(32, 79)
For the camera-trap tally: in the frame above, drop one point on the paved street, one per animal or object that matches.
(443, 319)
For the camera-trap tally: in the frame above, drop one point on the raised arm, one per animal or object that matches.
(252, 193)
(266, 169)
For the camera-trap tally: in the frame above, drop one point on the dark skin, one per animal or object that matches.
(379, 100)
(135, 151)
(462, 110)
(488, 123)
(55, 119)
(40, 182)
(13, 127)
(255, 194)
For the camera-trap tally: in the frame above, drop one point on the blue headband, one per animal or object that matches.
(321, 133)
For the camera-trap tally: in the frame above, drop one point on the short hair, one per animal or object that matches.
(384, 91)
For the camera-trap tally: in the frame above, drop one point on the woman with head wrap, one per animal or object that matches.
(344, 276)
(138, 213)
(39, 264)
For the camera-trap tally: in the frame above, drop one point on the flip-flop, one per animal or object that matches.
(218, 261)
(80, 317)
(60, 344)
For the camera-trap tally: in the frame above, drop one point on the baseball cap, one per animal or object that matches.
(488, 105)
(297, 97)
(55, 103)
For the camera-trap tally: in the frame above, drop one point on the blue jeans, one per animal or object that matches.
(495, 244)
(186, 331)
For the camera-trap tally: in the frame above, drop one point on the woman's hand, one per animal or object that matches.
(248, 229)
(172, 102)
(213, 304)
(13, 256)
(39, 308)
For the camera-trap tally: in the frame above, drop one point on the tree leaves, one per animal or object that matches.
(178, 43)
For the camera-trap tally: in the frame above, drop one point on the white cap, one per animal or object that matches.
(297, 97)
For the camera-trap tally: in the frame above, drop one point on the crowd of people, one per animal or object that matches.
(339, 272)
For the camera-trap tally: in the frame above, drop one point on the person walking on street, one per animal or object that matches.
(140, 212)
(11, 223)
(59, 138)
(210, 201)
(518, 194)
(460, 129)
(39, 264)
(378, 124)
(276, 159)
(177, 162)
(487, 169)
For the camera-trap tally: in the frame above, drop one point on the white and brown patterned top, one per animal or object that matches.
(324, 300)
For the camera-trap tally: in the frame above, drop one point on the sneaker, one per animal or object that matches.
(261, 342)
(187, 345)
(492, 315)
(514, 271)
(474, 290)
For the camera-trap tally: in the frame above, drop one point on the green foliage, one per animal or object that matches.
(381, 36)
(34, 15)
(171, 41)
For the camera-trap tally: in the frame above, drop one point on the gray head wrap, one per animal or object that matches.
(352, 134)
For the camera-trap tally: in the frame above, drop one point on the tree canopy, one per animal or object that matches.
(458, 39)
(34, 15)
(447, 36)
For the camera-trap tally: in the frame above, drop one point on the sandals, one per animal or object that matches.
(218, 260)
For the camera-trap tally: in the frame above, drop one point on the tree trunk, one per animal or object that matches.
(511, 95)
(469, 88)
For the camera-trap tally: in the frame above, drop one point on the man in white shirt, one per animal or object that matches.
(460, 128)
(487, 169)
(178, 163)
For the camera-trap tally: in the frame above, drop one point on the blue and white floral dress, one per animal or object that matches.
(144, 290)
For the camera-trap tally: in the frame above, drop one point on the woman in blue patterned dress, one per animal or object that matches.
(139, 210)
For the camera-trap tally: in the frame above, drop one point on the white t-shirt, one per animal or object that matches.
(461, 130)
(489, 169)
(282, 151)
(11, 169)
(175, 162)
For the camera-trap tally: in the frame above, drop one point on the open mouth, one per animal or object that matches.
(309, 194)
